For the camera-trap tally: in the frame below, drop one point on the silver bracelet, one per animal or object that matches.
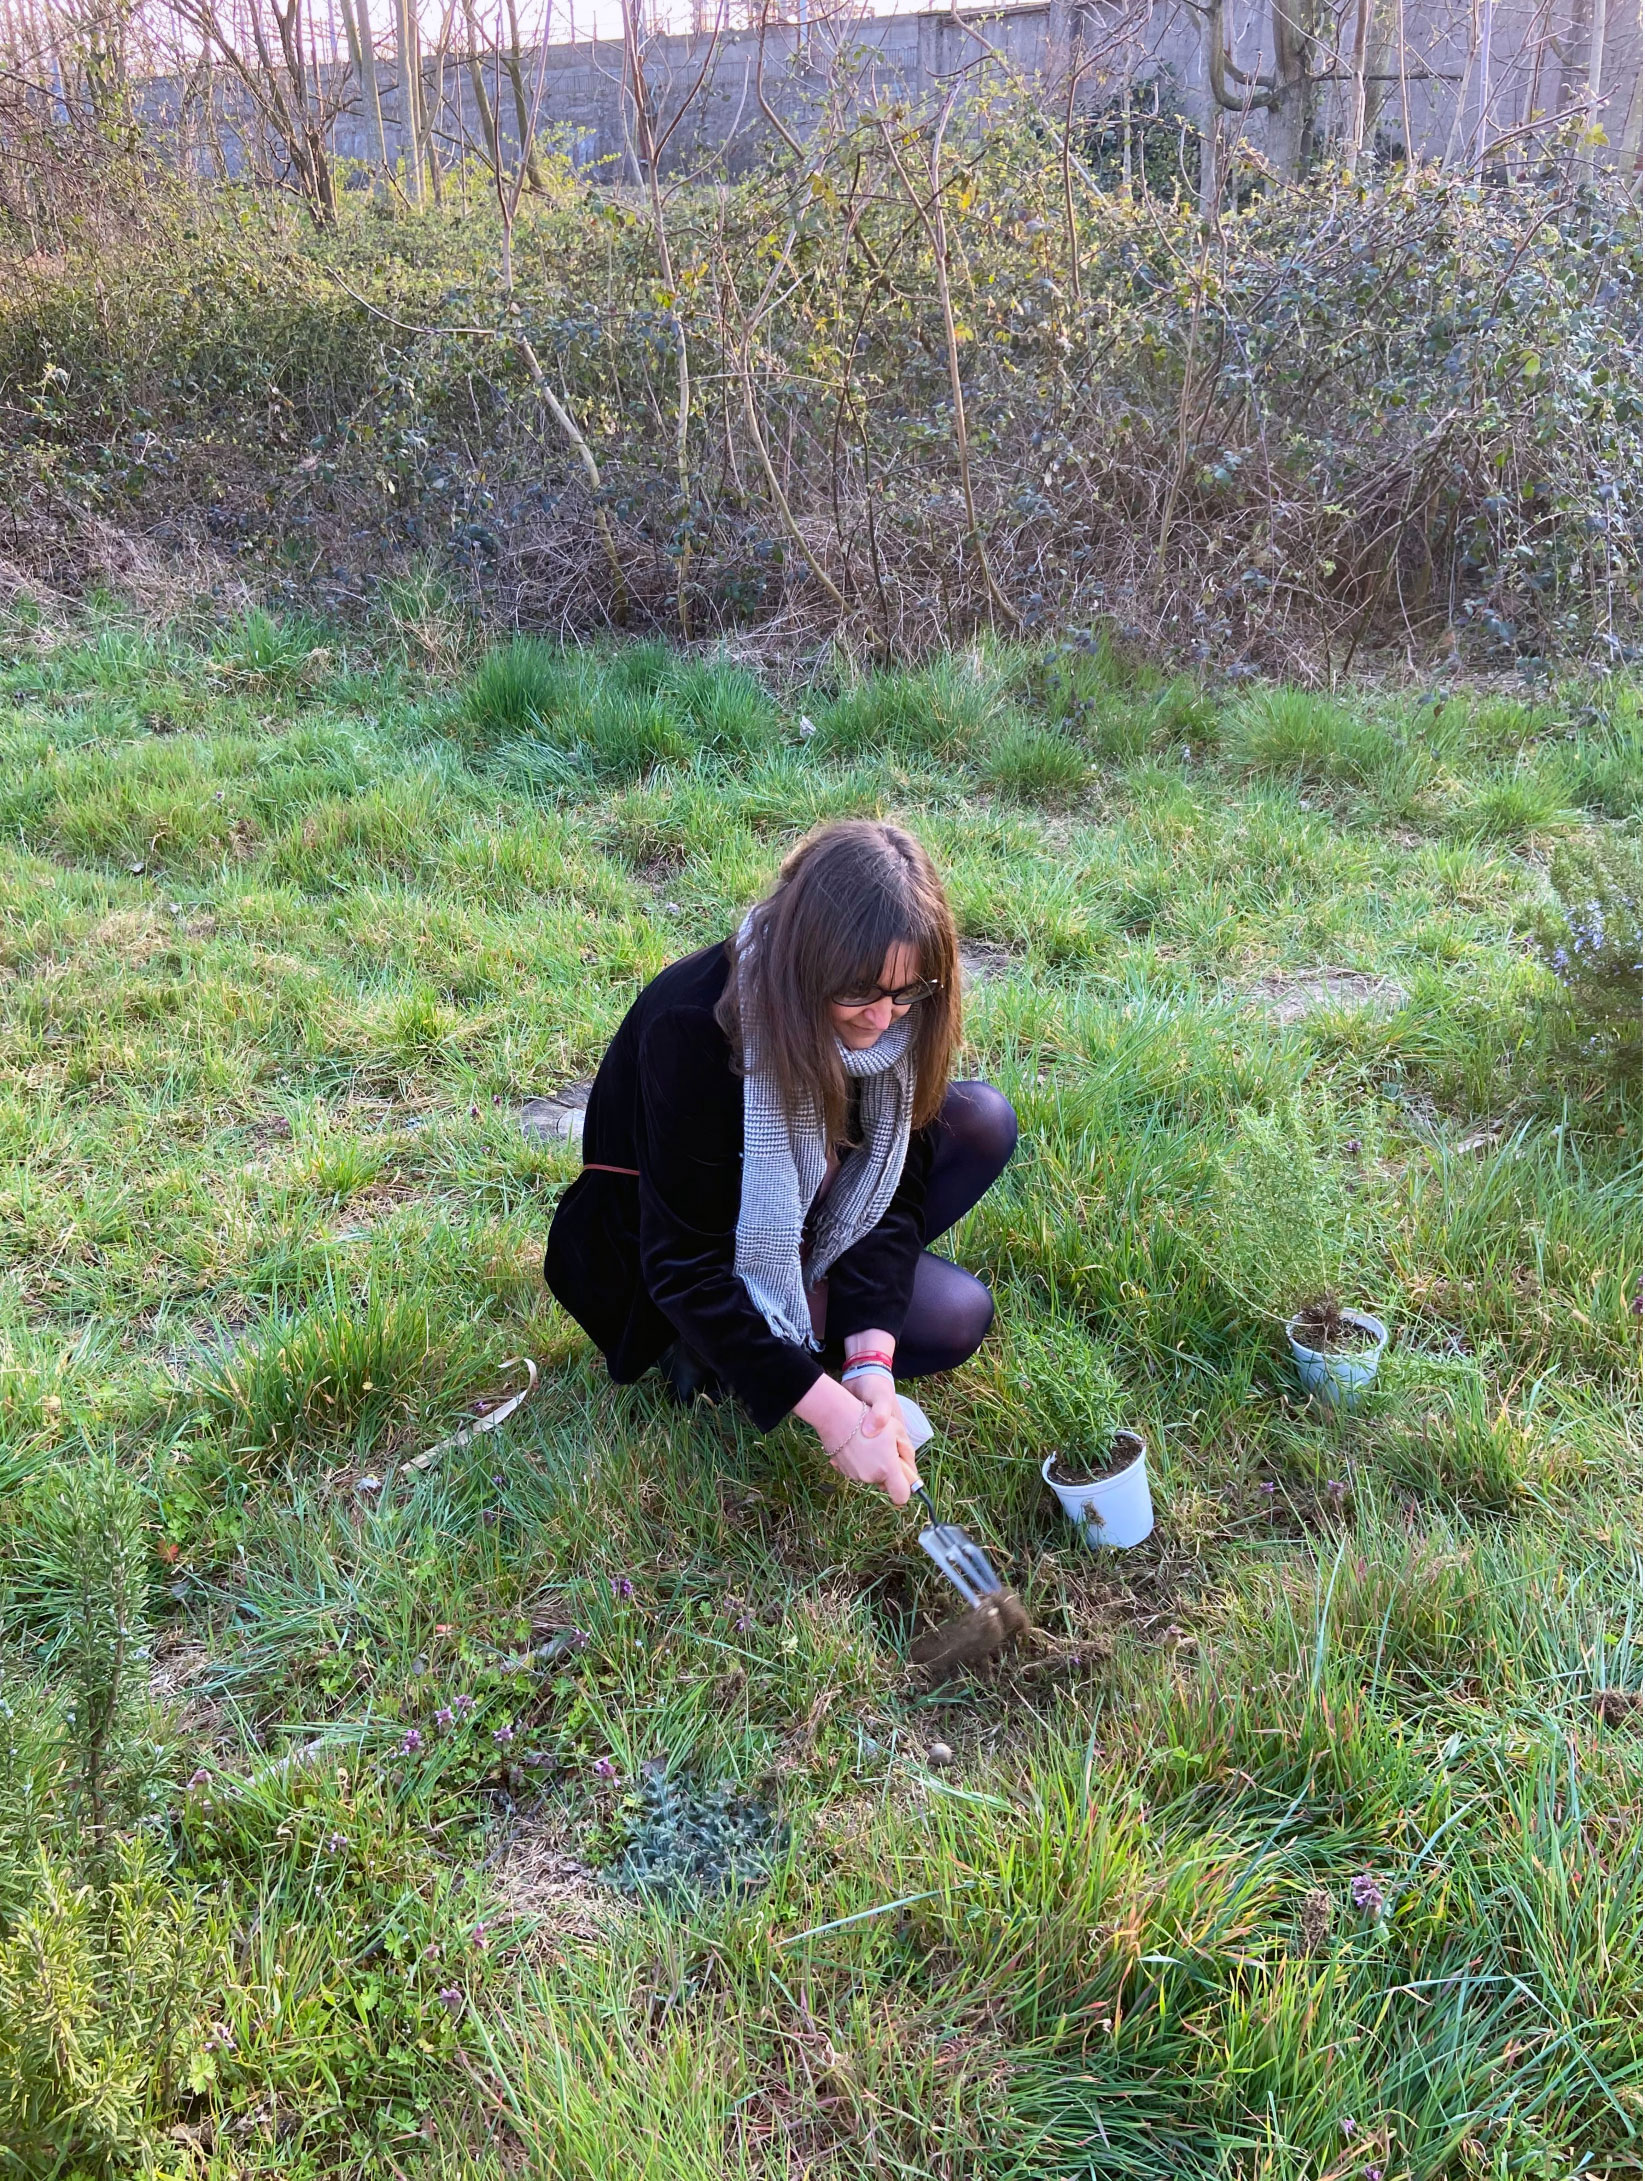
(834, 1452)
(855, 1370)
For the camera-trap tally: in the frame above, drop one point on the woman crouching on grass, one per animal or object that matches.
(771, 1141)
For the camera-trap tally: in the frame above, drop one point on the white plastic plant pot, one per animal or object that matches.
(915, 1422)
(1341, 1375)
(1116, 1509)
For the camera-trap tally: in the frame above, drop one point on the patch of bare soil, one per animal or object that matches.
(974, 1639)
(1617, 1707)
(1289, 999)
(540, 1882)
(980, 962)
(179, 1664)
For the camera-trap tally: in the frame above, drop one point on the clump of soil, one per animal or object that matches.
(1123, 1449)
(689, 1841)
(1616, 1707)
(1323, 1327)
(974, 1638)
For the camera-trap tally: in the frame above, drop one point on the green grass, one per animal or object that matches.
(291, 929)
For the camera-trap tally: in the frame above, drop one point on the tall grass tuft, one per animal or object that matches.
(517, 689)
(336, 1374)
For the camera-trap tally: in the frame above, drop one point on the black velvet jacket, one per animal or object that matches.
(641, 1262)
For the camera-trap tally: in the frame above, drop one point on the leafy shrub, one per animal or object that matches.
(102, 1997)
(83, 1581)
(1309, 498)
(1284, 1233)
(1591, 940)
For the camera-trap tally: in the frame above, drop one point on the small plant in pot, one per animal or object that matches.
(1112, 1505)
(1289, 1219)
(1336, 1351)
(1056, 1397)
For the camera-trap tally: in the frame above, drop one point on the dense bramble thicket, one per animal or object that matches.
(907, 386)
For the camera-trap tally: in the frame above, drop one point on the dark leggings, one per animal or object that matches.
(950, 1310)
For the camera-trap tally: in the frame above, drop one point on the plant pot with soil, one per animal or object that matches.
(1337, 1351)
(1107, 1499)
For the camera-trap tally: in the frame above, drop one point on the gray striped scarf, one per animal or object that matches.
(786, 1159)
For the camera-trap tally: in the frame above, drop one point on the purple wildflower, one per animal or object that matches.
(503, 1736)
(1350, 2127)
(199, 1777)
(576, 1639)
(462, 1705)
(452, 1997)
(1267, 1488)
(478, 1935)
(605, 1768)
(412, 1743)
(621, 1587)
(1373, 2173)
(1366, 1895)
(497, 1478)
(444, 1716)
(337, 1842)
(743, 1623)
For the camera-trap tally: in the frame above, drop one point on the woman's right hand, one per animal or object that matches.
(868, 1449)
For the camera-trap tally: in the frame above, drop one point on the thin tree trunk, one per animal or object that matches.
(522, 109)
(483, 115)
(358, 13)
(1356, 93)
(405, 56)
(1596, 79)
(1486, 38)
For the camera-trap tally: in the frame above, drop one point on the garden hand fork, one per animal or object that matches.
(995, 1614)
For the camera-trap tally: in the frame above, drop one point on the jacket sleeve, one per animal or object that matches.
(870, 1284)
(690, 1159)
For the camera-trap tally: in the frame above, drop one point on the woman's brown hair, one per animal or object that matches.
(844, 897)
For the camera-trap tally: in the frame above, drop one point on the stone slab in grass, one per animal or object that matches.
(559, 1117)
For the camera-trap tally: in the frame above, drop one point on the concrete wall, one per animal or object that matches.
(916, 58)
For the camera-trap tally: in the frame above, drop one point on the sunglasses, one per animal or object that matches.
(903, 995)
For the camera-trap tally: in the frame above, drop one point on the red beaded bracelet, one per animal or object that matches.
(869, 1355)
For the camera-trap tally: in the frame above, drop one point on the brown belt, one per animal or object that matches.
(593, 1166)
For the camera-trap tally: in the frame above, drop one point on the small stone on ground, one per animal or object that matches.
(558, 1118)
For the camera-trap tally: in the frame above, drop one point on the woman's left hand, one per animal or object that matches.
(877, 1391)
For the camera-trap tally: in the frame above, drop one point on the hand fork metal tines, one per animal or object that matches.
(957, 1556)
